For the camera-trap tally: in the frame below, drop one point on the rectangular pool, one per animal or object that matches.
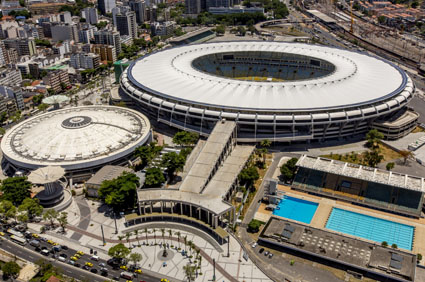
(371, 228)
(296, 209)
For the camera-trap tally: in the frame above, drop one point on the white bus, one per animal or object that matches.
(19, 240)
(15, 233)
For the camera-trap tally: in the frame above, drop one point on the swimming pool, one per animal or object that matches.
(371, 228)
(296, 209)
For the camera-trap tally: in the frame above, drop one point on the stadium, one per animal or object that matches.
(277, 91)
(79, 139)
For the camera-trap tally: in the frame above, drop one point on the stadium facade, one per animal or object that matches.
(276, 91)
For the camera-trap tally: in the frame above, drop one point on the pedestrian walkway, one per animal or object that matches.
(228, 268)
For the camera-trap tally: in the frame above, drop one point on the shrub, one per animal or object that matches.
(73, 193)
(254, 226)
(394, 246)
(292, 262)
(384, 244)
(419, 257)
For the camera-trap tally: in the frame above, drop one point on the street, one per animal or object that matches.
(28, 253)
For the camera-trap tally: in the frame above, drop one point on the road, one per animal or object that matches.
(28, 253)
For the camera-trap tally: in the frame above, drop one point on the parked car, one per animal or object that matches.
(254, 244)
(261, 250)
(266, 253)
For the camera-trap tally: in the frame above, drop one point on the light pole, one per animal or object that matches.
(103, 235)
(213, 279)
(115, 220)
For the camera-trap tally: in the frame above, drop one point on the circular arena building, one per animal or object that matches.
(276, 91)
(79, 139)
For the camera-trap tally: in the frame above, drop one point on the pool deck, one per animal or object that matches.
(325, 207)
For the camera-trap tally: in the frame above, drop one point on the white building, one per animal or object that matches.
(10, 77)
(85, 61)
(90, 14)
(14, 93)
(163, 29)
(106, 6)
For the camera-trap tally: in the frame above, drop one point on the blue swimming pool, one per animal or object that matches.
(371, 228)
(296, 209)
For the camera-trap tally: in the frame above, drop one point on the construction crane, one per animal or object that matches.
(351, 15)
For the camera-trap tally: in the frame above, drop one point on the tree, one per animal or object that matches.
(173, 162)
(15, 189)
(266, 143)
(394, 246)
(178, 237)
(406, 154)
(147, 153)
(373, 158)
(384, 244)
(248, 176)
(135, 258)
(2, 131)
(163, 232)
(51, 215)
(189, 272)
(11, 269)
(136, 233)
(127, 238)
(146, 232)
(3, 117)
(220, 29)
(32, 207)
(23, 218)
(254, 226)
(419, 257)
(43, 107)
(119, 251)
(37, 99)
(120, 193)
(241, 30)
(381, 19)
(373, 138)
(154, 177)
(63, 220)
(185, 138)
(287, 170)
(390, 166)
(170, 233)
(7, 209)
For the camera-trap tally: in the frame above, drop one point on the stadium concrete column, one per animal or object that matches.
(151, 207)
(190, 210)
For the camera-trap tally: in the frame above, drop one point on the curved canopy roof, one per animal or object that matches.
(77, 137)
(358, 79)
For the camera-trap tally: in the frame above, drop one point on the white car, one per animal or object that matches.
(61, 258)
(254, 244)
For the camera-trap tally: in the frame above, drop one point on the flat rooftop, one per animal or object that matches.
(400, 180)
(108, 172)
(323, 17)
(201, 170)
(406, 118)
(190, 34)
(341, 249)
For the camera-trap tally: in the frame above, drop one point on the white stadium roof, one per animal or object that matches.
(358, 79)
(75, 138)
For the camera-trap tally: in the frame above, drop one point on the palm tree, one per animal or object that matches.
(163, 232)
(189, 271)
(190, 247)
(406, 154)
(185, 243)
(154, 234)
(178, 237)
(127, 237)
(146, 232)
(136, 232)
(170, 232)
(197, 253)
(120, 238)
(200, 263)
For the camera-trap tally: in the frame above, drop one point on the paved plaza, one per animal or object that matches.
(232, 268)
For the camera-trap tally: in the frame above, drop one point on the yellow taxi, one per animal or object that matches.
(164, 280)
(128, 281)
(89, 264)
(124, 267)
(74, 258)
(77, 255)
(35, 235)
(50, 242)
(1, 234)
(138, 271)
(80, 253)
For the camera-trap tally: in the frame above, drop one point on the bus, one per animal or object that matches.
(18, 240)
(15, 233)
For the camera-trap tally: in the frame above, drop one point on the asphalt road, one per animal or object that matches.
(28, 253)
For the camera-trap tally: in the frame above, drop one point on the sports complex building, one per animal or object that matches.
(78, 139)
(276, 91)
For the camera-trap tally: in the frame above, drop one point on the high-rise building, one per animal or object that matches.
(126, 24)
(24, 46)
(162, 29)
(219, 3)
(139, 8)
(108, 37)
(14, 93)
(85, 61)
(106, 52)
(105, 6)
(55, 78)
(194, 6)
(86, 34)
(90, 14)
(64, 32)
(10, 77)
